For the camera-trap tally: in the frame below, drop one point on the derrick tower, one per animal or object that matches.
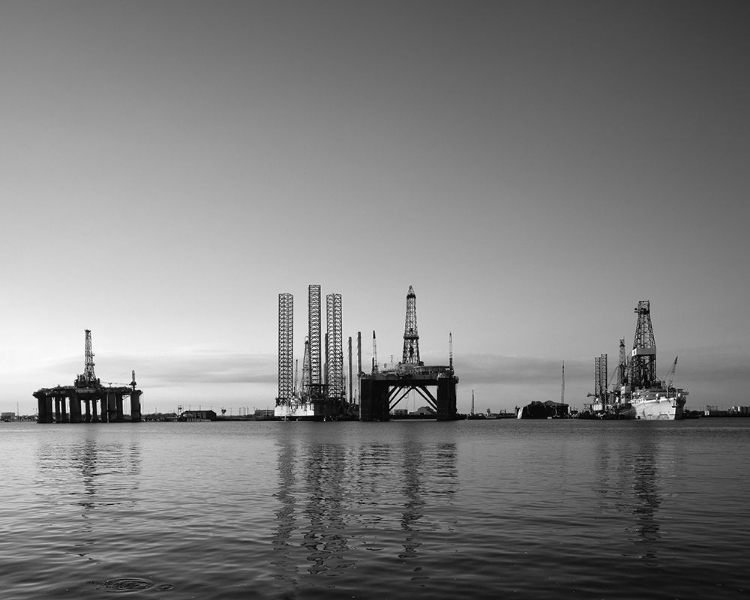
(411, 337)
(88, 378)
(643, 357)
(313, 333)
(334, 347)
(286, 358)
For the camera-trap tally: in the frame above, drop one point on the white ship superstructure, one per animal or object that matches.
(659, 404)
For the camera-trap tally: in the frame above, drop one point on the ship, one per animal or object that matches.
(659, 403)
(639, 394)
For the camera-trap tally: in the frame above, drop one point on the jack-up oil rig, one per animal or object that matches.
(322, 394)
(63, 403)
(381, 391)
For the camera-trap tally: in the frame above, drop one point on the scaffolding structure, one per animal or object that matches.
(600, 378)
(286, 349)
(334, 348)
(313, 333)
(411, 337)
(643, 357)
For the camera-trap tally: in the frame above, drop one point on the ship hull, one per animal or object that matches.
(658, 407)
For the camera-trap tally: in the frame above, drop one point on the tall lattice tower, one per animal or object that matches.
(622, 367)
(600, 378)
(334, 347)
(286, 348)
(643, 357)
(313, 333)
(88, 378)
(411, 337)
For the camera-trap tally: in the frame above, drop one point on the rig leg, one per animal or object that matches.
(135, 405)
(75, 408)
(446, 400)
(111, 407)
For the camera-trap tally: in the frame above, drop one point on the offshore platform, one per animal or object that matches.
(88, 400)
(382, 390)
(321, 394)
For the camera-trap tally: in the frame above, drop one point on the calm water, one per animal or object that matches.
(495, 509)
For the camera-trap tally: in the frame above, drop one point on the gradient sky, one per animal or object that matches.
(533, 169)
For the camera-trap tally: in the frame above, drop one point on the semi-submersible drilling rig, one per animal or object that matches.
(322, 393)
(88, 400)
(381, 391)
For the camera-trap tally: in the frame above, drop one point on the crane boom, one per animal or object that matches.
(670, 375)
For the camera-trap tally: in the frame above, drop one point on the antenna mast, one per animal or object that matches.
(450, 350)
(562, 392)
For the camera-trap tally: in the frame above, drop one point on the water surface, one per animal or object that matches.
(480, 509)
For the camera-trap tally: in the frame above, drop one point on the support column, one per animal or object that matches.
(374, 400)
(44, 407)
(75, 408)
(365, 399)
(118, 405)
(446, 399)
(57, 409)
(111, 407)
(135, 406)
(103, 412)
(87, 418)
(94, 416)
(63, 410)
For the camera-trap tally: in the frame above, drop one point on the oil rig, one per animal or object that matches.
(321, 394)
(88, 400)
(634, 391)
(382, 390)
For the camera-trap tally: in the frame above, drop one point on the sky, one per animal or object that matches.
(532, 169)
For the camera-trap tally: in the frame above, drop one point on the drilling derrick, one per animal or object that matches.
(334, 347)
(411, 337)
(286, 359)
(88, 377)
(643, 357)
(313, 333)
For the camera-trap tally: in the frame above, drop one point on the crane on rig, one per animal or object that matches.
(669, 379)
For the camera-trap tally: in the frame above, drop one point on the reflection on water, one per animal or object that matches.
(99, 478)
(629, 480)
(337, 500)
(106, 471)
(484, 510)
